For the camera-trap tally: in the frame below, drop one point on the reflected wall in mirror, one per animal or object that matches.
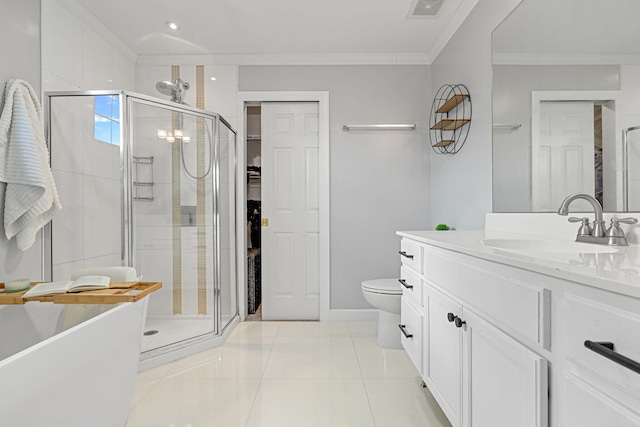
(566, 104)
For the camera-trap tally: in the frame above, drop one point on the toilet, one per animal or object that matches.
(385, 295)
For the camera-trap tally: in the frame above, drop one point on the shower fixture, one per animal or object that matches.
(175, 90)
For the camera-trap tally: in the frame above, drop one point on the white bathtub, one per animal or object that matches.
(81, 377)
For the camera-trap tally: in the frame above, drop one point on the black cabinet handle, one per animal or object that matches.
(451, 317)
(606, 349)
(404, 331)
(459, 322)
(404, 283)
(406, 255)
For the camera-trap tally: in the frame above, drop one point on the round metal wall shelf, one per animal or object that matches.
(450, 119)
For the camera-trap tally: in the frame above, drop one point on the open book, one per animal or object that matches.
(84, 283)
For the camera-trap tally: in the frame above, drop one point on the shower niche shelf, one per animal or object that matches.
(143, 179)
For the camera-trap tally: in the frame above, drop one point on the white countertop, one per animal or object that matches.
(618, 271)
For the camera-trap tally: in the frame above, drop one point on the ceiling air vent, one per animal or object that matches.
(424, 8)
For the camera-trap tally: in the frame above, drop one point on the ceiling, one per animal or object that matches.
(279, 27)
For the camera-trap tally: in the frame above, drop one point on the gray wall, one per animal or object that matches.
(512, 87)
(20, 49)
(461, 183)
(379, 180)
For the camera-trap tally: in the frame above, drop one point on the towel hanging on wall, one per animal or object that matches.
(31, 198)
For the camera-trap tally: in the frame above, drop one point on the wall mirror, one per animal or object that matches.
(566, 105)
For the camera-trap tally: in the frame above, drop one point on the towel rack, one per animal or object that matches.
(512, 128)
(401, 126)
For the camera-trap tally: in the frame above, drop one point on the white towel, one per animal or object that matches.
(31, 198)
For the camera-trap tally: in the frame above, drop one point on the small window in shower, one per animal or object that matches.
(107, 119)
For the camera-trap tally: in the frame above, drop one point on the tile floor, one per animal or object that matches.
(280, 374)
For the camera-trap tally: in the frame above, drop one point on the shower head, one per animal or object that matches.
(175, 91)
(166, 88)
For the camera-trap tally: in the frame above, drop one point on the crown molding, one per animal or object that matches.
(565, 59)
(287, 59)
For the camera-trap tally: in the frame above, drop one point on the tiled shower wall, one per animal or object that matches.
(79, 54)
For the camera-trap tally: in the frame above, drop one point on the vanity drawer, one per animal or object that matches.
(586, 319)
(411, 254)
(503, 295)
(411, 332)
(411, 286)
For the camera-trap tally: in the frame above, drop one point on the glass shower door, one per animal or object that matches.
(227, 229)
(173, 219)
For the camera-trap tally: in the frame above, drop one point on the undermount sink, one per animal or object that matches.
(549, 246)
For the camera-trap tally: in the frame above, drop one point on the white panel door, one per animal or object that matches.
(563, 162)
(505, 382)
(290, 204)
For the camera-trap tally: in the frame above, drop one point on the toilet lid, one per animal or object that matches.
(383, 286)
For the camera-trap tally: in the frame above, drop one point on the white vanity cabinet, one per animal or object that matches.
(480, 375)
(503, 338)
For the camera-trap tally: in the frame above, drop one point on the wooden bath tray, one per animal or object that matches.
(117, 293)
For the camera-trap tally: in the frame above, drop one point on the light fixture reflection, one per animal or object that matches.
(172, 25)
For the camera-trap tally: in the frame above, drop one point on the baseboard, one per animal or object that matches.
(361, 315)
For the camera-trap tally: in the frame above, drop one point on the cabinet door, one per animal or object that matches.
(443, 354)
(505, 383)
(585, 406)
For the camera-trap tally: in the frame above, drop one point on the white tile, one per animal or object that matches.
(156, 373)
(101, 159)
(98, 222)
(142, 388)
(378, 362)
(251, 332)
(363, 329)
(67, 225)
(148, 76)
(403, 402)
(61, 42)
(52, 82)
(312, 357)
(307, 403)
(124, 72)
(64, 271)
(313, 329)
(66, 134)
(96, 61)
(228, 361)
(212, 403)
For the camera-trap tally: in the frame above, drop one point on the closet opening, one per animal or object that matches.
(254, 214)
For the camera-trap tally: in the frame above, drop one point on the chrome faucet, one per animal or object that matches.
(613, 236)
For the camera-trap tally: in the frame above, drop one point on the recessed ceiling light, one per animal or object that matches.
(213, 78)
(172, 25)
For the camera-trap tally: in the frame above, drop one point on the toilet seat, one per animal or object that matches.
(382, 286)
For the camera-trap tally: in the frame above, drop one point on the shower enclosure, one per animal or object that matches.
(150, 184)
